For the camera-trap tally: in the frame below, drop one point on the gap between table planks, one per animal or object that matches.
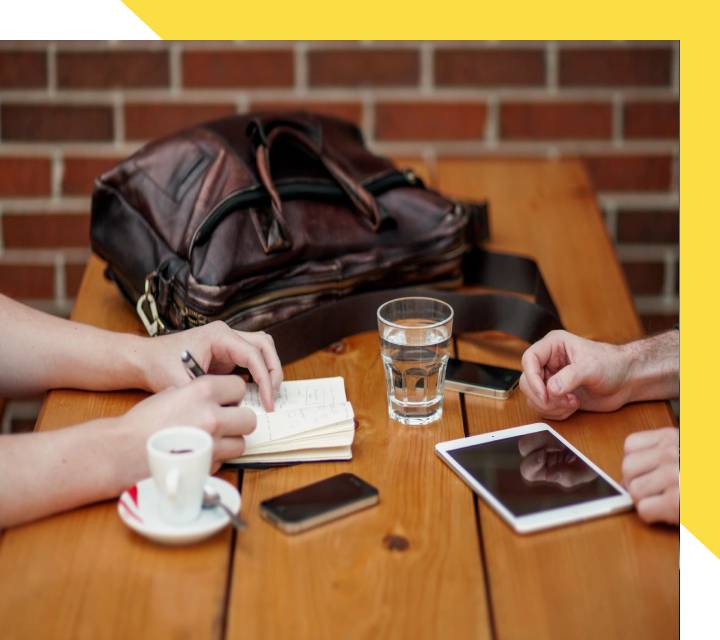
(613, 577)
(83, 574)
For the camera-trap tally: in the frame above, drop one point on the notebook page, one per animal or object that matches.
(296, 394)
(291, 422)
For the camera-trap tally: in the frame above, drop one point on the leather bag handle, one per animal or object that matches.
(363, 202)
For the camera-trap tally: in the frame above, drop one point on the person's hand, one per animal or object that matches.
(209, 403)
(563, 373)
(547, 460)
(217, 349)
(651, 473)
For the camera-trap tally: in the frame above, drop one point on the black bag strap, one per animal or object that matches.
(528, 320)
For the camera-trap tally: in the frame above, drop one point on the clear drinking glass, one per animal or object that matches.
(415, 338)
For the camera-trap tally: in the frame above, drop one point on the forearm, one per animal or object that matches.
(654, 367)
(42, 352)
(48, 472)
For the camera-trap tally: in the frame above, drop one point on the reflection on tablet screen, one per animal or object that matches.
(531, 473)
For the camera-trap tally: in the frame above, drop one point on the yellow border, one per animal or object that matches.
(700, 353)
(700, 228)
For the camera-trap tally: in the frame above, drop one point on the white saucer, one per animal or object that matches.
(137, 508)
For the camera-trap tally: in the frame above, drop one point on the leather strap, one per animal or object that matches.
(363, 202)
(319, 327)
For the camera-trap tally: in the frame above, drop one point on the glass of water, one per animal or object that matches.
(415, 336)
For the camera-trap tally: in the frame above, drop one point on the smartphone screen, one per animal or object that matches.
(481, 375)
(319, 502)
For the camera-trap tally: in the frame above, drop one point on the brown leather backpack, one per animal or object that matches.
(287, 223)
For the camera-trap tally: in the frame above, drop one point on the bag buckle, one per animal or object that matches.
(153, 325)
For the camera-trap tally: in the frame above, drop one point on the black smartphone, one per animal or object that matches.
(481, 379)
(319, 502)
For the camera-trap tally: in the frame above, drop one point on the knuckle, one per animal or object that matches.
(644, 511)
(203, 387)
(211, 423)
(627, 467)
(635, 489)
(670, 454)
(217, 326)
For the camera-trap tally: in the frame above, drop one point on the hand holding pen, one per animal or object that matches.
(219, 350)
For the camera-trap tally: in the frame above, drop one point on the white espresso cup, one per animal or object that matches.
(180, 459)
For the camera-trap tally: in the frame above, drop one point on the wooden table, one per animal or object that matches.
(465, 574)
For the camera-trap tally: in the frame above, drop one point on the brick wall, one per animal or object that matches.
(70, 110)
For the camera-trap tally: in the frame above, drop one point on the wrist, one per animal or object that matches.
(652, 368)
(132, 352)
(127, 452)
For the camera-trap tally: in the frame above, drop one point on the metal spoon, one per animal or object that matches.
(211, 500)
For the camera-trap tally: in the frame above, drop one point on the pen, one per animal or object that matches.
(194, 370)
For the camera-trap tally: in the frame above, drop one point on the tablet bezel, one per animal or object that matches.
(542, 519)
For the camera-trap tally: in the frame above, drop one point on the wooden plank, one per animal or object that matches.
(342, 580)
(613, 577)
(83, 574)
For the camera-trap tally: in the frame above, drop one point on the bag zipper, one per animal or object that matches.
(195, 318)
(293, 190)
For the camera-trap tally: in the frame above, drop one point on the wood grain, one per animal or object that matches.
(613, 577)
(341, 580)
(83, 574)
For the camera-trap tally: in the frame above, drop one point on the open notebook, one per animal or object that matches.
(312, 421)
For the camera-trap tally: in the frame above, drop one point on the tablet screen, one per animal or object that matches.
(532, 473)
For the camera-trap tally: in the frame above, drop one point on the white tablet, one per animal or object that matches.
(533, 477)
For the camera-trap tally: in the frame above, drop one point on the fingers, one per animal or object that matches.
(650, 438)
(532, 382)
(264, 342)
(234, 421)
(555, 408)
(249, 356)
(661, 508)
(229, 448)
(219, 389)
(654, 482)
(228, 426)
(639, 462)
(651, 473)
(550, 350)
(567, 379)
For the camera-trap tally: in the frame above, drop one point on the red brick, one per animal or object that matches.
(648, 227)
(658, 322)
(556, 120)
(630, 172)
(80, 172)
(644, 277)
(489, 67)
(430, 120)
(613, 66)
(262, 68)
(23, 69)
(27, 280)
(56, 123)
(45, 230)
(346, 110)
(24, 176)
(146, 121)
(73, 278)
(652, 120)
(106, 69)
(353, 67)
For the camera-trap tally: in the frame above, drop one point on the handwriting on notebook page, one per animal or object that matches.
(293, 422)
(297, 394)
